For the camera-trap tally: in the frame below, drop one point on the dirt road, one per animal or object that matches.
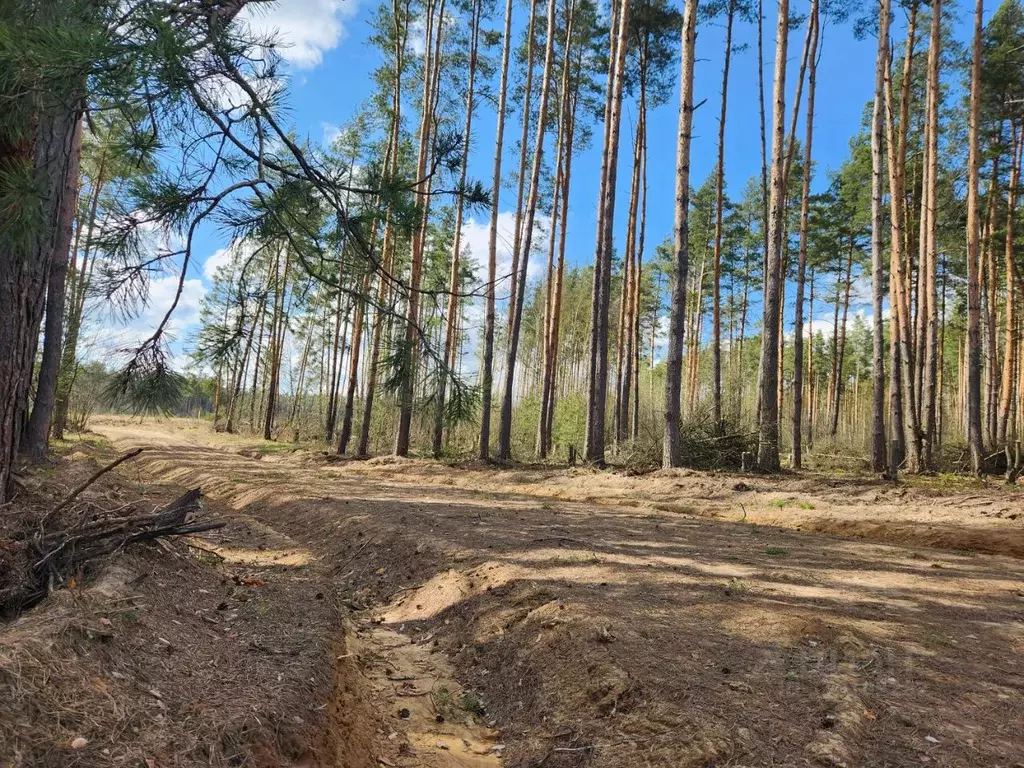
(640, 631)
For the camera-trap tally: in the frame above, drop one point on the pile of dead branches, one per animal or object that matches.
(706, 445)
(46, 554)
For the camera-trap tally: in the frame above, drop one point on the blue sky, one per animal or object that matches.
(330, 67)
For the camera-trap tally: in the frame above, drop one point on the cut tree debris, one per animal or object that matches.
(54, 555)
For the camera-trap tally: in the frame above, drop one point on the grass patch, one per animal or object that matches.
(778, 503)
(448, 704)
(776, 551)
(736, 585)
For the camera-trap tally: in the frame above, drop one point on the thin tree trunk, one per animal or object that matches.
(989, 309)
(811, 377)
(631, 285)
(768, 437)
(672, 455)
(353, 368)
(716, 306)
(77, 295)
(620, 406)
(764, 143)
(278, 330)
(455, 278)
(556, 272)
(435, 27)
(841, 351)
(334, 366)
(637, 291)
(594, 442)
(524, 143)
(516, 308)
(805, 207)
(973, 389)
(929, 206)
(387, 258)
(300, 383)
(1010, 340)
(878, 446)
(487, 383)
(899, 283)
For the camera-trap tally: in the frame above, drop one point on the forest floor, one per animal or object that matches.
(409, 613)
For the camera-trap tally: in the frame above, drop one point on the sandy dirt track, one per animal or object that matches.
(615, 621)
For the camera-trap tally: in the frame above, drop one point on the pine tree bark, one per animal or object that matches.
(716, 306)
(929, 247)
(899, 282)
(435, 27)
(1010, 338)
(672, 452)
(487, 381)
(768, 433)
(805, 207)
(597, 394)
(454, 282)
(878, 446)
(516, 309)
(387, 260)
(37, 431)
(25, 265)
(973, 357)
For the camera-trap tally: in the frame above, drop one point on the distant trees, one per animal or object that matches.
(352, 308)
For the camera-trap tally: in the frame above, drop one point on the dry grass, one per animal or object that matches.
(165, 655)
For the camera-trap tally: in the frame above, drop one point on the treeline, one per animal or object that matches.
(349, 306)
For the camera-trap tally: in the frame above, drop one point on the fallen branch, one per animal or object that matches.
(61, 552)
(95, 476)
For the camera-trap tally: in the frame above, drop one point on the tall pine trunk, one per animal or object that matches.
(487, 381)
(1010, 338)
(25, 265)
(431, 66)
(973, 361)
(597, 394)
(768, 433)
(898, 278)
(516, 307)
(716, 309)
(805, 206)
(387, 260)
(451, 318)
(929, 248)
(37, 431)
(878, 446)
(556, 272)
(672, 453)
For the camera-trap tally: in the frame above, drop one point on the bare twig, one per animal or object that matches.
(95, 476)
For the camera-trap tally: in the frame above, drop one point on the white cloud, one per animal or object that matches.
(220, 258)
(107, 338)
(476, 241)
(331, 133)
(305, 28)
